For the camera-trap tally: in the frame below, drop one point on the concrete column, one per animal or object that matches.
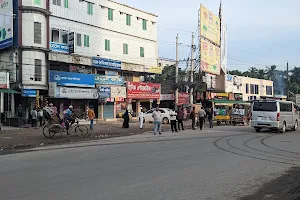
(2, 102)
(115, 109)
(13, 105)
(138, 107)
(100, 111)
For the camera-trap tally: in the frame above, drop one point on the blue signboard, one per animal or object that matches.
(109, 80)
(72, 79)
(58, 47)
(229, 77)
(104, 92)
(106, 63)
(29, 93)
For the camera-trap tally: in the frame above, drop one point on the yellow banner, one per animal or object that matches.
(210, 58)
(210, 25)
(153, 69)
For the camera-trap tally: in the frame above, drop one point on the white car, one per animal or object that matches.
(165, 112)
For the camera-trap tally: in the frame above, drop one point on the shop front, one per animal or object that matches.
(140, 94)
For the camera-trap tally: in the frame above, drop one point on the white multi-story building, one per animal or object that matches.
(100, 37)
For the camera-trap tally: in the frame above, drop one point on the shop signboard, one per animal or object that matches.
(223, 96)
(28, 93)
(210, 25)
(76, 93)
(106, 63)
(117, 92)
(59, 47)
(166, 97)
(109, 80)
(52, 89)
(183, 98)
(72, 79)
(104, 92)
(210, 57)
(4, 80)
(132, 67)
(71, 42)
(154, 69)
(6, 25)
(138, 90)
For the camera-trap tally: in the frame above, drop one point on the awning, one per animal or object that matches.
(229, 101)
(9, 91)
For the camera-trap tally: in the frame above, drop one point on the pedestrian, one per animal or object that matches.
(141, 118)
(91, 116)
(126, 119)
(41, 116)
(33, 117)
(19, 111)
(201, 115)
(210, 117)
(180, 115)
(193, 117)
(157, 120)
(173, 115)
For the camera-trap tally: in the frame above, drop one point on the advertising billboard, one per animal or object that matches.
(183, 98)
(137, 90)
(4, 80)
(224, 46)
(210, 57)
(118, 92)
(6, 23)
(209, 25)
(72, 79)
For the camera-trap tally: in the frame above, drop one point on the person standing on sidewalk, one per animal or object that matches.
(210, 117)
(193, 117)
(201, 115)
(91, 115)
(157, 120)
(180, 119)
(141, 118)
(33, 117)
(173, 115)
(41, 116)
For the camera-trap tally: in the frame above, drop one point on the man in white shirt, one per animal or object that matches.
(157, 120)
(173, 115)
(141, 118)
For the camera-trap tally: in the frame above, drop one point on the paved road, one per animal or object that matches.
(224, 163)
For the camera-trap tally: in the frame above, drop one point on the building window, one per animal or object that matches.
(252, 89)
(142, 52)
(256, 89)
(55, 35)
(37, 70)
(107, 45)
(128, 76)
(78, 39)
(125, 49)
(144, 24)
(66, 3)
(86, 41)
(269, 90)
(90, 8)
(37, 33)
(247, 88)
(128, 20)
(110, 14)
(57, 2)
(64, 37)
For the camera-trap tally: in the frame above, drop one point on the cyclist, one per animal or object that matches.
(69, 118)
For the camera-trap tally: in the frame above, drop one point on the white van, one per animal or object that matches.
(274, 115)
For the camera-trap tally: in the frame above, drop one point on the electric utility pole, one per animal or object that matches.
(287, 81)
(192, 70)
(176, 75)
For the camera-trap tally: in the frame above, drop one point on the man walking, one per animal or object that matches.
(33, 117)
(173, 115)
(41, 116)
(210, 117)
(201, 115)
(141, 118)
(193, 117)
(180, 119)
(157, 120)
(91, 115)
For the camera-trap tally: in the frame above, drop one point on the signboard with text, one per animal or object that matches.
(59, 47)
(104, 92)
(72, 79)
(71, 42)
(118, 92)
(28, 93)
(6, 24)
(210, 25)
(107, 63)
(138, 90)
(76, 93)
(4, 80)
(183, 98)
(210, 58)
(109, 80)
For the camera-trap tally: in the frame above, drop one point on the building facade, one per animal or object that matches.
(70, 52)
(249, 88)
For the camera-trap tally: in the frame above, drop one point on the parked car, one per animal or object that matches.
(165, 112)
(274, 115)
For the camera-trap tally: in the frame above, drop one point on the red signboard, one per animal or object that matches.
(183, 98)
(137, 90)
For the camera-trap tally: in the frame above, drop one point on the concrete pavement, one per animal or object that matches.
(223, 163)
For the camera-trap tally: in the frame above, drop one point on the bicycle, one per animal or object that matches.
(56, 129)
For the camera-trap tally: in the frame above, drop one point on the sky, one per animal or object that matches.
(260, 32)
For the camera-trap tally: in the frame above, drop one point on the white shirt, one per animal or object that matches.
(173, 115)
(156, 116)
(141, 115)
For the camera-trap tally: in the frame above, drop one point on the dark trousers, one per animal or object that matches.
(173, 125)
(193, 123)
(41, 120)
(180, 122)
(201, 120)
(33, 122)
(211, 125)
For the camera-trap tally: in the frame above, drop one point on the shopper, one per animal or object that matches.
(157, 120)
(201, 115)
(173, 115)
